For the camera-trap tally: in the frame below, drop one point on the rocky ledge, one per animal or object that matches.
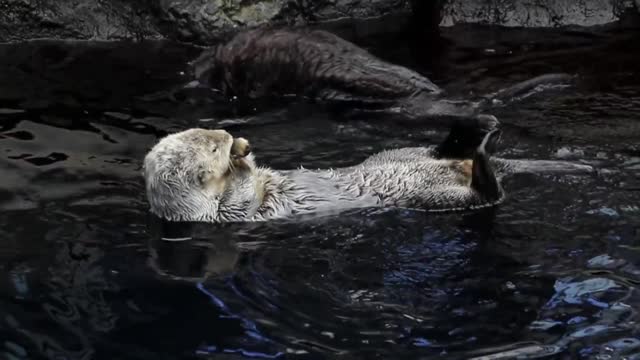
(203, 21)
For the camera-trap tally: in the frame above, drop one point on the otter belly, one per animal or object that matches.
(422, 183)
(326, 190)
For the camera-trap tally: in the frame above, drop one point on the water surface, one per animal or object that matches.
(84, 273)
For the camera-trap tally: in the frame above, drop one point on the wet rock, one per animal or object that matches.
(203, 20)
(67, 19)
(206, 21)
(538, 13)
(193, 20)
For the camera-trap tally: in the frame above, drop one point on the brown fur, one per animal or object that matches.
(464, 169)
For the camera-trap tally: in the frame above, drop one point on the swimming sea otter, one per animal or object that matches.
(319, 65)
(207, 175)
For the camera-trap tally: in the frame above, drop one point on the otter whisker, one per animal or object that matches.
(232, 167)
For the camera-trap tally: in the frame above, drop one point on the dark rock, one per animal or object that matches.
(205, 21)
(537, 13)
(192, 20)
(69, 19)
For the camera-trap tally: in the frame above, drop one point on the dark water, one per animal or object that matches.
(553, 272)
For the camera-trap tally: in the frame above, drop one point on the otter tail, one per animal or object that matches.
(528, 88)
(518, 166)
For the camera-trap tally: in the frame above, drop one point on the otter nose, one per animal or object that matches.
(240, 147)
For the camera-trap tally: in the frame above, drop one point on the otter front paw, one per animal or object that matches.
(240, 148)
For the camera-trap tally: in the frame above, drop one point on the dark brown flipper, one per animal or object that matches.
(465, 137)
(483, 179)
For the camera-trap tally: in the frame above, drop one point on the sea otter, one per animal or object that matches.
(317, 64)
(208, 175)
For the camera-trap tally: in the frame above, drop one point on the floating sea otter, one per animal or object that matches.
(320, 65)
(207, 175)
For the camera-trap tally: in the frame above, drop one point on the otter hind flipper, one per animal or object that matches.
(465, 137)
(483, 179)
(505, 167)
(530, 87)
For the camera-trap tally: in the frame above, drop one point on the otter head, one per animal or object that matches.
(187, 173)
(208, 71)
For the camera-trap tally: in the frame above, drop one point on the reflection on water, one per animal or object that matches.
(86, 273)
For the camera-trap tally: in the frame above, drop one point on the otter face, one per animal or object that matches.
(186, 172)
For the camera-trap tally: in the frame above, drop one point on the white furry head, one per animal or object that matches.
(186, 173)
